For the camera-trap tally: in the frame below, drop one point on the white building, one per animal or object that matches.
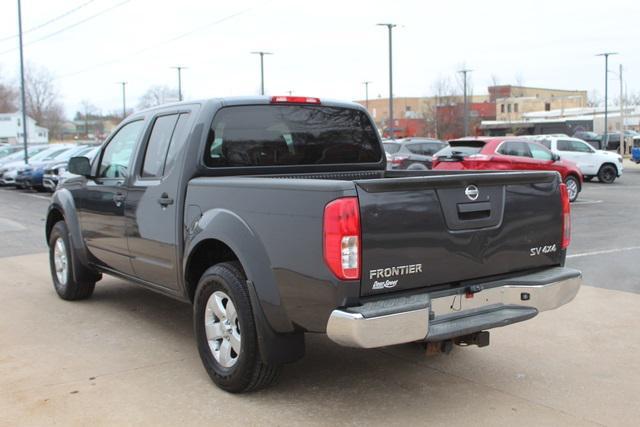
(11, 129)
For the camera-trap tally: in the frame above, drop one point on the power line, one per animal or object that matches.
(157, 45)
(55, 33)
(50, 21)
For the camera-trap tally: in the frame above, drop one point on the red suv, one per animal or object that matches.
(506, 153)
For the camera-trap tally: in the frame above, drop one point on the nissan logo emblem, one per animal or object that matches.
(472, 192)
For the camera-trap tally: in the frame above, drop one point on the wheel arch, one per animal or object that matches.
(220, 236)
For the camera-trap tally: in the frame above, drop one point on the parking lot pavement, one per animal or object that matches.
(127, 356)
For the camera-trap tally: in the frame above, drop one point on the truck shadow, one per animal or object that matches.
(327, 370)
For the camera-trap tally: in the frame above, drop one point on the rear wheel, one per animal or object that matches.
(61, 264)
(573, 187)
(417, 167)
(226, 332)
(607, 174)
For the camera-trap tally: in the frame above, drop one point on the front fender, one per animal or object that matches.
(62, 201)
(232, 230)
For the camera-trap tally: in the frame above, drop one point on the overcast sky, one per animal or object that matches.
(321, 48)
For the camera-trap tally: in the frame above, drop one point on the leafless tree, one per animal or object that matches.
(156, 95)
(43, 99)
(8, 97)
(593, 100)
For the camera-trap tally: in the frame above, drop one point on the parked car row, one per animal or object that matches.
(47, 163)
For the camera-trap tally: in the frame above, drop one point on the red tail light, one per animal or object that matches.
(341, 238)
(396, 160)
(294, 100)
(566, 216)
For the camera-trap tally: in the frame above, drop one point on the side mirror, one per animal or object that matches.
(79, 166)
(555, 157)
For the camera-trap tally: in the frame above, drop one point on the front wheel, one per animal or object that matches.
(573, 187)
(61, 265)
(607, 174)
(226, 332)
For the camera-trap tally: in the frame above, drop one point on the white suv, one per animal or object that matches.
(605, 165)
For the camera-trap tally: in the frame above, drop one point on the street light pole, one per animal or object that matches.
(366, 94)
(605, 134)
(124, 99)
(390, 28)
(622, 142)
(179, 81)
(466, 104)
(22, 89)
(262, 54)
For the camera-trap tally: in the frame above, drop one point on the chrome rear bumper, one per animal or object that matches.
(444, 315)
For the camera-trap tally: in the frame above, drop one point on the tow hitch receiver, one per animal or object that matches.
(481, 339)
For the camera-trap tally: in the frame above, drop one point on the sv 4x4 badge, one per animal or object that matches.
(542, 250)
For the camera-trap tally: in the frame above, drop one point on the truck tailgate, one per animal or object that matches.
(443, 229)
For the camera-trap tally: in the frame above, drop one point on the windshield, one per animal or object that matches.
(18, 155)
(268, 135)
(391, 147)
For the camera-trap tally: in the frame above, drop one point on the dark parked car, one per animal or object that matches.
(275, 217)
(591, 138)
(412, 153)
(614, 140)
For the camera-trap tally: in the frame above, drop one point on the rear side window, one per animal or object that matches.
(158, 144)
(268, 135)
(178, 139)
(515, 148)
(391, 147)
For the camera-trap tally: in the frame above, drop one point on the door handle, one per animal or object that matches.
(118, 198)
(165, 200)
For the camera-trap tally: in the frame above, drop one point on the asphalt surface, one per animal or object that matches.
(127, 356)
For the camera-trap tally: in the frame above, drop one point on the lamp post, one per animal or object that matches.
(466, 104)
(179, 81)
(605, 135)
(390, 28)
(262, 54)
(124, 99)
(366, 93)
(22, 90)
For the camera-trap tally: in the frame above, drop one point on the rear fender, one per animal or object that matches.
(229, 228)
(279, 342)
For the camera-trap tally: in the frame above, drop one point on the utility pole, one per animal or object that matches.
(262, 54)
(366, 93)
(390, 28)
(622, 142)
(124, 99)
(466, 103)
(22, 90)
(605, 135)
(179, 81)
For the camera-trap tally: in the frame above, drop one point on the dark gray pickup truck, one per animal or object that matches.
(275, 217)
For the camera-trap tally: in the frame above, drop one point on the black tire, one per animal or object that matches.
(607, 174)
(572, 182)
(68, 289)
(417, 167)
(248, 373)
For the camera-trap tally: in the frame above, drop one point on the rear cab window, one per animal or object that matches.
(270, 135)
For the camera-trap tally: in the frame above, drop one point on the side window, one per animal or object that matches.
(116, 156)
(564, 145)
(414, 148)
(179, 138)
(545, 142)
(581, 147)
(539, 152)
(158, 144)
(515, 148)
